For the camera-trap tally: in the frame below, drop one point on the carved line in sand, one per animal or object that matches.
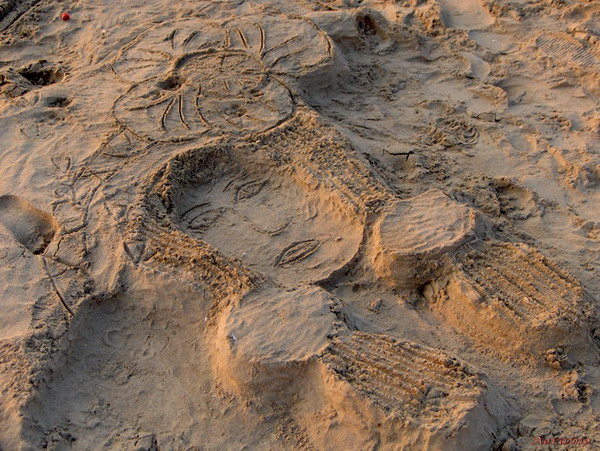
(79, 183)
(78, 186)
(194, 78)
(206, 93)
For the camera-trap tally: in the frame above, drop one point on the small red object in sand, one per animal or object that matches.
(65, 16)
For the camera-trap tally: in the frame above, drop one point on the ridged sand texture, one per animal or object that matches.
(404, 379)
(163, 248)
(522, 297)
(413, 234)
(565, 47)
(427, 394)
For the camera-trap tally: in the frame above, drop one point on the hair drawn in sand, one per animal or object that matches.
(188, 84)
(227, 91)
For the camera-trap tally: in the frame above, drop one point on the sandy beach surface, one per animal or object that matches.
(320, 225)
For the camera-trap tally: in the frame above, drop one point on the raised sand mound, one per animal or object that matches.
(413, 235)
(379, 388)
(447, 252)
(427, 397)
(255, 352)
(525, 300)
(31, 227)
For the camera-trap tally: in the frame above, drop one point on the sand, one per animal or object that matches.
(299, 225)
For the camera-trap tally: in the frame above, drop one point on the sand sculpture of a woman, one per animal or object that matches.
(247, 195)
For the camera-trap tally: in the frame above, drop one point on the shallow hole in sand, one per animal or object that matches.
(366, 25)
(40, 74)
(171, 83)
(57, 101)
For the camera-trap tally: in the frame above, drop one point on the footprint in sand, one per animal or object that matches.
(568, 49)
(31, 227)
(516, 202)
(16, 82)
(465, 14)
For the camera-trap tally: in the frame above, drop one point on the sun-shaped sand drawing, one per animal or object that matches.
(195, 78)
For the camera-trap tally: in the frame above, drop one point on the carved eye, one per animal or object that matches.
(297, 251)
(249, 189)
(203, 221)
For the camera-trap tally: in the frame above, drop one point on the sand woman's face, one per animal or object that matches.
(196, 79)
(274, 224)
